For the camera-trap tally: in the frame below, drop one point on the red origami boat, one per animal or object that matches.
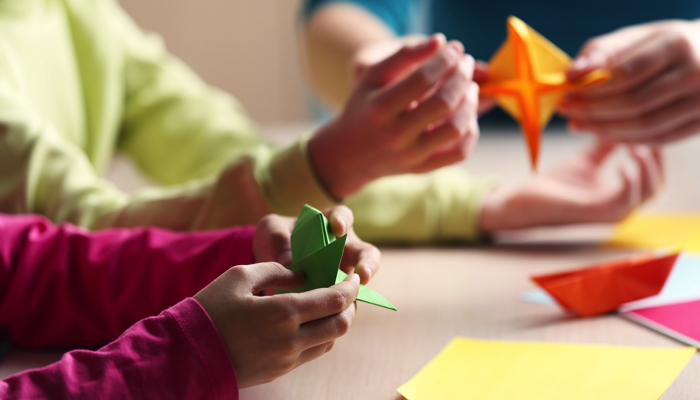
(602, 288)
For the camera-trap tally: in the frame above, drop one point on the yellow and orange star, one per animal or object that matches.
(527, 77)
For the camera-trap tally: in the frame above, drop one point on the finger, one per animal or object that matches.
(650, 178)
(443, 135)
(360, 257)
(626, 197)
(386, 71)
(453, 154)
(397, 97)
(452, 129)
(665, 88)
(341, 220)
(599, 152)
(266, 276)
(647, 127)
(440, 104)
(661, 50)
(326, 329)
(689, 129)
(481, 72)
(315, 352)
(602, 51)
(274, 243)
(320, 303)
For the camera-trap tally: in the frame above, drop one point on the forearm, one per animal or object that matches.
(177, 354)
(332, 38)
(63, 286)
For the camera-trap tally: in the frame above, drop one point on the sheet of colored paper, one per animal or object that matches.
(651, 231)
(680, 321)
(496, 370)
(681, 285)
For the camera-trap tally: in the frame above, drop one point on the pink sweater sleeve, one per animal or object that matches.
(65, 286)
(175, 355)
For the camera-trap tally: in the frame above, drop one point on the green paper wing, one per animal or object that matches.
(366, 294)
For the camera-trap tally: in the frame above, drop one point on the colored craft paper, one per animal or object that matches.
(680, 321)
(682, 284)
(527, 78)
(602, 288)
(317, 253)
(495, 370)
(650, 231)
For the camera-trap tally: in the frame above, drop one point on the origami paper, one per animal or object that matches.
(497, 370)
(656, 230)
(604, 287)
(681, 285)
(680, 321)
(317, 253)
(527, 78)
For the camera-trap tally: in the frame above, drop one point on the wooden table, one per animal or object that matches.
(443, 292)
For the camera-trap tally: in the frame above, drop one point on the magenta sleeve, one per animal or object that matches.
(66, 286)
(175, 355)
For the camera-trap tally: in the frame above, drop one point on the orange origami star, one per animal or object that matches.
(527, 78)
(604, 287)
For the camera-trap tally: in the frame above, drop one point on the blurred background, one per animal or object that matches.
(248, 48)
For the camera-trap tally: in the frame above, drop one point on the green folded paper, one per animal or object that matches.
(317, 253)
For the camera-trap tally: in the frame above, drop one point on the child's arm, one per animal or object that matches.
(65, 286)
(176, 354)
(180, 353)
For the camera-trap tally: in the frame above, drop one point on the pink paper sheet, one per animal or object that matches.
(681, 321)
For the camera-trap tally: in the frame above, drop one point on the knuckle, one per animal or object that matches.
(343, 324)
(679, 43)
(338, 301)
(239, 272)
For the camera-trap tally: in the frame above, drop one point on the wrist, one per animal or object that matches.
(331, 161)
(505, 209)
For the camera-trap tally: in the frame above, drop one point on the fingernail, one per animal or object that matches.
(285, 258)
(342, 223)
(352, 277)
(580, 63)
(366, 268)
(452, 51)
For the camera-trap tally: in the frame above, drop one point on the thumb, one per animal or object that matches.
(603, 51)
(399, 63)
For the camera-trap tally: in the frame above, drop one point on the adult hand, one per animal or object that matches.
(575, 192)
(272, 242)
(654, 93)
(269, 336)
(413, 112)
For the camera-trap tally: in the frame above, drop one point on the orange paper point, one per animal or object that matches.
(527, 76)
(602, 288)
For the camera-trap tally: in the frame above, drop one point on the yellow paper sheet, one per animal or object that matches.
(496, 370)
(651, 231)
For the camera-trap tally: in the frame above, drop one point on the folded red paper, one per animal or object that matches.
(602, 288)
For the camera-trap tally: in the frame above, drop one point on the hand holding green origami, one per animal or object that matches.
(318, 254)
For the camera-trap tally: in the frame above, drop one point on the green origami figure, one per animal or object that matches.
(317, 253)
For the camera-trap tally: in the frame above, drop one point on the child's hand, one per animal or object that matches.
(413, 112)
(576, 193)
(272, 242)
(269, 336)
(654, 93)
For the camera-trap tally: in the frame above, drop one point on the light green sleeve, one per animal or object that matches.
(442, 206)
(177, 129)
